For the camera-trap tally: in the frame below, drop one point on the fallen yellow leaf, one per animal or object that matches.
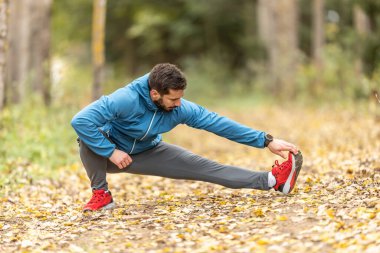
(307, 188)
(223, 229)
(182, 236)
(331, 213)
(308, 180)
(262, 242)
(258, 212)
(281, 218)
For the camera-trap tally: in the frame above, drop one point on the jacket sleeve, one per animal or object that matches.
(88, 121)
(199, 117)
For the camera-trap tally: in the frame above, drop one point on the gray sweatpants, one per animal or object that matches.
(166, 160)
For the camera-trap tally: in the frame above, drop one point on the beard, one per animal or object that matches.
(160, 104)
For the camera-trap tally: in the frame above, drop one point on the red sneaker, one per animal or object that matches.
(287, 172)
(101, 199)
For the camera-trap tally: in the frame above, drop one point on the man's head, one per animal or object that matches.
(167, 84)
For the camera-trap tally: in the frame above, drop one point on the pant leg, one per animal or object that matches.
(96, 166)
(171, 161)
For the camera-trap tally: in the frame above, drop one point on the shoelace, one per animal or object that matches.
(280, 166)
(97, 197)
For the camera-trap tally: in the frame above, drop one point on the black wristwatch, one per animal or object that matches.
(268, 139)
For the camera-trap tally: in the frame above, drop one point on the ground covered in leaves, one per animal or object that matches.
(334, 208)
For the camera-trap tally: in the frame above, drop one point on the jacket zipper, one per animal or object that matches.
(146, 133)
(133, 147)
(150, 125)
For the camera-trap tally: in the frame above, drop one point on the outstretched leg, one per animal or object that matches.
(171, 161)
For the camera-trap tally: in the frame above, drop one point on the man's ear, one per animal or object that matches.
(154, 94)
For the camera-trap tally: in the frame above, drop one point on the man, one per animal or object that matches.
(121, 132)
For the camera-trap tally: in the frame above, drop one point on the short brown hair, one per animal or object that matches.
(165, 76)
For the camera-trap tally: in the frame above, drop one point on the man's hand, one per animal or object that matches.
(278, 146)
(120, 158)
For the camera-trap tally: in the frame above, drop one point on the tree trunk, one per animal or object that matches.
(278, 29)
(98, 31)
(363, 28)
(264, 21)
(40, 45)
(361, 19)
(19, 48)
(3, 43)
(318, 31)
(318, 41)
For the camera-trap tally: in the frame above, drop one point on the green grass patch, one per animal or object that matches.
(35, 141)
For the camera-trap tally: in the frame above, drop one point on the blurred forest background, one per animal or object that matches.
(57, 56)
(289, 49)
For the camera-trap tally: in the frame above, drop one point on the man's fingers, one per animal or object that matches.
(127, 159)
(120, 159)
(290, 147)
(280, 153)
(280, 147)
(125, 163)
(293, 149)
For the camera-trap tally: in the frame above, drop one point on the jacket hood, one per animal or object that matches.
(141, 85)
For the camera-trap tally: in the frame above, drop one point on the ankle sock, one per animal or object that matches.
(271, 180)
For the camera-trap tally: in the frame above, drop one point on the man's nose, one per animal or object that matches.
(177, 103)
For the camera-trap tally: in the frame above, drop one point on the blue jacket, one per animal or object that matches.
(135, 124)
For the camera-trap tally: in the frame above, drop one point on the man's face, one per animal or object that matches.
(168, 101)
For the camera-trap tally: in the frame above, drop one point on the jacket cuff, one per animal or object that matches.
(261, 140)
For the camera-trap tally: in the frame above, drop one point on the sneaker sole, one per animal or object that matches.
(110, 206)
(296, 167)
